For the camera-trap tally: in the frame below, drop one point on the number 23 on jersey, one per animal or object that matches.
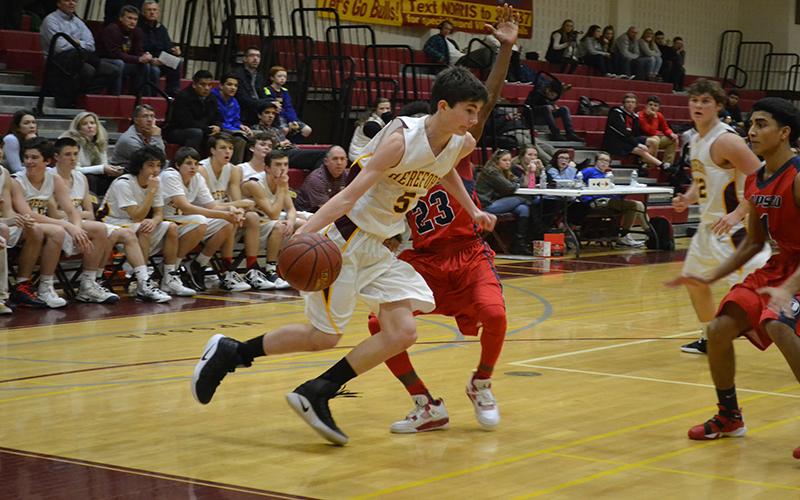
(435, 210)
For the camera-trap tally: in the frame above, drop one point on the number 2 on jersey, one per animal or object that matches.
(423, 210)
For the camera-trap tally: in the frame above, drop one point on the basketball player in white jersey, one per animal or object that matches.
(188, 203)
(66, 159)
(720, 161)
(399, 165)
(224, 179)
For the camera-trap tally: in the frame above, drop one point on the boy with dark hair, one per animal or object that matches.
(194, 114)
(623, 134)
(66, 158)
(655, 127)
(765, 307)
(406, 159)
(229, 109)
(134, 200)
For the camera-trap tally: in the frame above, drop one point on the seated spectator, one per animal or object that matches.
(112, 8)
(23, 127)
(625, 54)
(650, 55)
(324, 182)
(303, 159)
(292, 127)
(189, 204)
(120, 45)
(92, 138)
(250, 94)
(231, 117)
(195, 114)
(495, 186)
(517, 72)
(632, 211)
(442, 49)
(607, 40)
(561, 168)
(732, 107)
(76, 71)
(224, 179)
(4, 235)
(623, 135)
(563, 47)
(11, 232)
(592, 53)
(66, 159)
(655, 127)
(134, 200)
(368, 127)
(156, 40)
(41, 189)
(143, 132)
(672, 70)
(544, 104)
(528, 165)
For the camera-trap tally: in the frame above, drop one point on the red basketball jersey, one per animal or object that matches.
(438, 221)
(774, 202)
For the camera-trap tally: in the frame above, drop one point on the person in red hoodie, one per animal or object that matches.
(120, 44)
(655, 126)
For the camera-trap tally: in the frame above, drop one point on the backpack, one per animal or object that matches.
(592, 107)
(661, 236)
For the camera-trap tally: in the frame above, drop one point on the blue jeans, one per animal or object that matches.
(138, 74)
(549, 116)
(514, 204)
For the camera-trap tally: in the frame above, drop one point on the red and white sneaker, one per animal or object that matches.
(425, 416)
(724, 424)
(479, 391)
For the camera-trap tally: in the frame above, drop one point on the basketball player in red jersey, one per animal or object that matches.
(765, 306)
(459, 268)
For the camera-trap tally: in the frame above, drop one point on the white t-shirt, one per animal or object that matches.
(125, 192)
(172, 185)
(249, 173)
(37, 199)
(218, 185)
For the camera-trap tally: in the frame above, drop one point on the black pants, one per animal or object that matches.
(190, 137)
(598, 62)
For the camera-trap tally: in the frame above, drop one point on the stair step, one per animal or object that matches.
(13, 78)
(49, 111)
(13, 89)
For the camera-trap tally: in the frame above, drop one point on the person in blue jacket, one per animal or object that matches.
(231, 116)
(293, 128)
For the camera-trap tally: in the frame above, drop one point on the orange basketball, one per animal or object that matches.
(310, 262)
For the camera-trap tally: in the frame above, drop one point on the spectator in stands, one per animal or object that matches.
(92, 138)
(134, 200)
(143, 132)
(442, 49)
(562, 167)
(195, 114)
(563, 47)
(623, 134)
(157, 40)
(76, 71)
(495, 186)
(23, 127)
(607, 40)
(672, 70)
(656, 128)
(528, 165)
(292, 127)
(112, 8)
(120, 45)
(517, 72)
(650, 55)
(229, 110)
(544, 105)
(298, 158)
(632, 211)
(324, 182)
(369, 126)
(626, 53)
(732, 107)
(592, 53)
(251, 94)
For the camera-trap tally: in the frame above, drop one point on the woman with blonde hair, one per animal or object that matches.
(90, 134)
(651, 54)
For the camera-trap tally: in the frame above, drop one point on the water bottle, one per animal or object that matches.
(634, 178)
(543, 180)
(579, 180)
(610, 177)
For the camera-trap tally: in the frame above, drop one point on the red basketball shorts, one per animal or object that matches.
(464, 282)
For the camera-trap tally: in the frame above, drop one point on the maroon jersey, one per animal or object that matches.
(774, 202)
(439, 222)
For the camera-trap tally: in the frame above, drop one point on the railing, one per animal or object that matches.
(475, 58)
(732, 75)
(158, 91)
(728, 46)
(785, 60)
(49, 63)
(420, 75)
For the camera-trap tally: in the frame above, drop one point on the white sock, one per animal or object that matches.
(169, 268)
(87, 274)
(203, 259)
(704, 332)
(46, 278)
(141, 274)
(178, 264)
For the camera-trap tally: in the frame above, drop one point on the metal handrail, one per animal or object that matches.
(733, 82)
(158, 90)
(427, 68)
(766, 66)
(48, 62)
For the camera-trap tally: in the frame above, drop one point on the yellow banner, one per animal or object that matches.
(366, 11)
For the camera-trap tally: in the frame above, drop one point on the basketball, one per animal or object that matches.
(310, 262)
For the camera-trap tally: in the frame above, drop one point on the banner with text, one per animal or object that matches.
(466, 15)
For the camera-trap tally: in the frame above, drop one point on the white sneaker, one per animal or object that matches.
(628, 241)
(277, 282)
(92, 292)
(258, 280)
(171, 283)
(479, 391)
(424, 417)
(48, 294)
(232, 282)
(4, 309)
(149, 292)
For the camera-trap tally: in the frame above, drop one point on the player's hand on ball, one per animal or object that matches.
(780, 300)
(686, 280)
(486, 221)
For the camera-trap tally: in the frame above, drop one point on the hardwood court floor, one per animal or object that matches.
(594, 394)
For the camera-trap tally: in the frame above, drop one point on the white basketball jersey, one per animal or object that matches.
(720, 189)
(172, 185)
(78, 190)
(381, 211)
(249, 173)
(218, 185)
(37, 198)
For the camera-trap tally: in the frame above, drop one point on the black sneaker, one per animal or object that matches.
(221, 355)
(198, 275)
(696, 347)
(23, 294)
(310, 402)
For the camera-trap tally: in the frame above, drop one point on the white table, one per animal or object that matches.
(571, 194)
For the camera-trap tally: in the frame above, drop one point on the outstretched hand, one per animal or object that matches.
(507, 28)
